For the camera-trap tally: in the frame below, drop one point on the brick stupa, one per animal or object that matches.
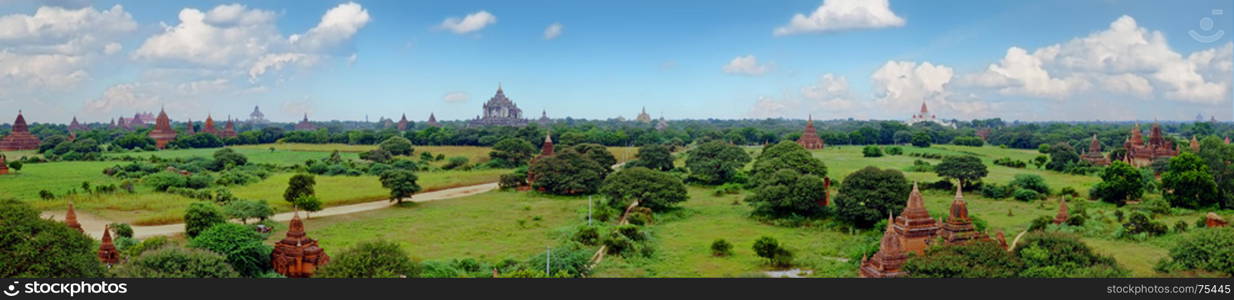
(1062, 215)
(297, 255)
(208, 127)
(959, 227)
(20, 137)
(107, 251)
(914, 225)
(1094, 155)
(402, 123)
(545, 151)
(70, 219)
(188, 128)
(1140, 154)
(162, 133)
(889, 259)
(229, 130)
(432, 121)
(304, 125)
(74, 126)
(809, 138)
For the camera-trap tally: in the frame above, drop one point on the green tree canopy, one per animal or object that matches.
(401, 183)
(652, 189)
(715, 162)
(248, 209)
(1119, 182)
(567, 173)
(1188, 183)
(789, 194)
(868, 195)
(299, 186)
(397, 145)
(963, 168)
(785, 155)
(978, 259)
(201, 216)
(656, 157)
(34, 247)
(597, 153)
(1202, 250)
(370, 259)
(1220, 159)
(176, 262)
(512, 152)
(1054, 255)
(241, 245)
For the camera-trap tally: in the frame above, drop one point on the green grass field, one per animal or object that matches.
(490, 226)
(342, 190)
(255, 154)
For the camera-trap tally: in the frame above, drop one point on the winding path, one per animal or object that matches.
(93, 225)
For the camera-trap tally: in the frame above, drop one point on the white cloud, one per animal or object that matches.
(470, 23)
(829, 97)
(55, 47)
(905, 82)
(838, 15)
(553, 31)
(746, 65)
(274, 61)
(1020, 73)
(456, 97)
(339, 24)
(123, 98)
(351, 60)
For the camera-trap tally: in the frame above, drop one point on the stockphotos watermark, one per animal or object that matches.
(70, 288)
(1206, 33)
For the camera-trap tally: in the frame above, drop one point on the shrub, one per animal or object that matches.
(1205, 250)
(895, 150)
(122, 229)
(176, 262)
(920, 166)
(721, 247)
(1063, 255)
(767, 247)
(455, 163)
(1026, 195)
(995, 191)
(510, 181)
(201, 216)
(727, 189)
(163, 180)
(978, 259)
(397, 145)
(1010, 163)
(149, 244)
(1140, 223)
(1031, 181)
(867, 195)
(370, 259)
(241, 245)
(248, 209)
(568, 260)
(1069, 191)
(968, 141)
(871, 151)
(587, 235)
(651, 189)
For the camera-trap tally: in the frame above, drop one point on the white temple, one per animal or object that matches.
(926, 116)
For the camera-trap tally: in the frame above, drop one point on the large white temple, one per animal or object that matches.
(500, 111)
(926, 116)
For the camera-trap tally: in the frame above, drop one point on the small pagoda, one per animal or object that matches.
(70, 219)
(304, 125)
(188, 128)
(889, 259)
(229, 129)
(643, 117)
(1062, 215)
(297, 255)
(432, 120)
(959, 227)
(1094, 155)
(208, 127)
(74, 126)
(914, 225)
(162, 133)
(20, 137)
(1195, 145)
(809, 138)
(403, 123)
(1212, 220)
(107, 251)
(4, 166)
(545, 151)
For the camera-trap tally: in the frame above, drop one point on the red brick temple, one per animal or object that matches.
(229, 130)
(959, 227)
(809, 138)
(208, 127)
(432, 120)
(70, 219)
(1142, 155)
(20, 137)
(545, 151)
(304, 125)
(296, 255)
(1195, 145)
(162, 133)
(107, 251)
(914, 225)
(1062, 215)
(4, 165)
(889, 259)
(1094, 155)
(74, 126)
(1213, 220)
(188, 128)
(402, 123)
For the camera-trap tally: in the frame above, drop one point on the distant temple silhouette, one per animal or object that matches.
(500, 111)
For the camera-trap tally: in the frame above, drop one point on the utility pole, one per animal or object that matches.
(548, 257)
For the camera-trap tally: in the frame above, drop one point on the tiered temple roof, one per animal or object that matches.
(914, 225)
(662, 124)
(189, 128)
(432, 121)
(297, 255)
(643, 116)
(545, 151)
(305, 125)
(403, 123)
(229, 129)
(544, 120)
(257, 117)
(1062, 215)
(19, 138)
(1140, 154)
(809, 138)
(208, 127)
(107, 251)
(74, 126)
(162, 133)
(889, 259)
(500, 111)
(959, 227)
(1094, 155)
(70, 219)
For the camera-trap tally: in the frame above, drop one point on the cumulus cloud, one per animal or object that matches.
(829, 97)
(553, 31)
(904, 82)
(337, 25)
(839, 15)
(456, 97)
(468, 24)
(123, 97)
(746, 65)
(56, 47)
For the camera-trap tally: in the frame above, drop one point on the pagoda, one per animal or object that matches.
(914, 225)
(296, 255)
(107, 251)
(304, 125)
(432, 121)
(402, 123)
(926, 117)
(162, 133)
(500, 111)
(1062, 216)
(544, 120)
(1212, 220)
(809, 138)
(545, 151)
(70, 219)
(1094, 155)
(662, 124)
(229, 130)
(1142, 155)
(20, 137)
(124, 124)
(74, 126)
(959, 227)
(188, 128)
(4, 166)
(890, 257)
(257, 117)
(643, 117)
(208, 127)
(1195, 145)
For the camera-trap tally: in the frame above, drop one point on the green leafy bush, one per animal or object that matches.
(721, 247)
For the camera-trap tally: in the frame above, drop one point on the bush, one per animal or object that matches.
(566, 261)
(895, 151)
(789, 195)
(866, 195)
(149, 244)
(370, 259)
(1140, 223)
(920, 166)
(651, 189)
(397, 145)
(871, 151)
(176, 262)
(510, 181)
(1026, 195)
(455, 163)
(995, 191)
(968, 141)
(1031, 181)
(34, 247)
(721, 247)
(727, 189)
(201, 216)
(1204, 250)
(1063, 255)
(1010, 163)
(1068, 191)
(767, 247)
(122, 230)
(587, 235)
(241, 245)
(161, 181)
(978, 259)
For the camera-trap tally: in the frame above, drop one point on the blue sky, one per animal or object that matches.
(1025, 60)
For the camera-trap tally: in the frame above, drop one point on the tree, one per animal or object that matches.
(121, 229)
(309, 204)
(201, 216)
(1119, 182)
(227, 158)
(377, 155)
(567, 173)
(241, 245)
(512, 152)
(656, 157)
(767, 247)
(597, 153)
(34, 247)
(401, 183)
(968, 141)
(866, 196)
(299, 186)
(1032, 182)
(1061, 155)
(789, 194)
(248, 209)
(16, 165)
(721, 247)
(1053, 255)
(715, 162)
(176, 262)
(651, 189)
(1202, 250)
(1188, 183)
(964, 168)
(397, 145)
(370, 259)
(871, 151)
(921, 139)
(1040, 161)
(977, 259)
(1220, 159)
(785, 155)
